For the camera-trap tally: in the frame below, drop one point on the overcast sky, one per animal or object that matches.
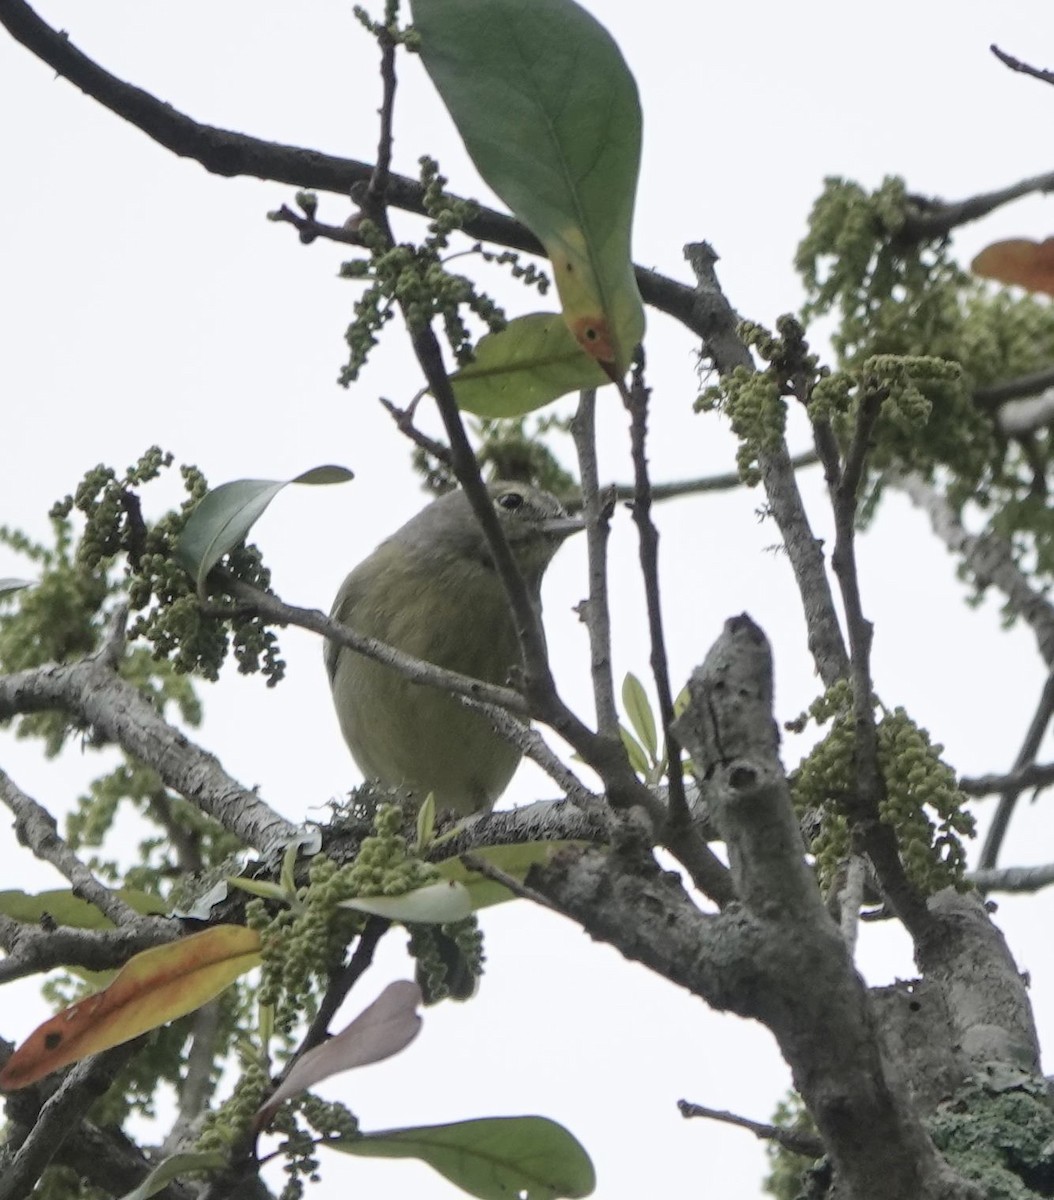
(144, 301)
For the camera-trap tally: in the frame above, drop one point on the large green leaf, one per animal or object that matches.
(532, 361)
(433, 904)
(493, 1158)
(549, 112)
(227, 513)
(64, 908)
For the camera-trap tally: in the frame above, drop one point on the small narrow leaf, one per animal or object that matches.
(151, 989)
(389, 1025)
(493, 1158)
(226, 514)
(549, 113)
(638, 760)
(175, 1167)
(258, 887)
(433, 904)
(640, 715)
(531, 362)
(426, 823)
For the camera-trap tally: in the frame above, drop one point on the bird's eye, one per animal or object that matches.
(510, 500)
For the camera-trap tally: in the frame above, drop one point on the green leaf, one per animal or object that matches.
(64, 908)
(225, 515)
(175, 1167)
(260, 887)
(494, 1158)
(426, 824)
(433, 904)
(635, 700)
(549, 113)
(514, 860)
(638, 760)
(532, 361)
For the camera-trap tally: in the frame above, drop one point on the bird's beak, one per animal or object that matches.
(562, 527)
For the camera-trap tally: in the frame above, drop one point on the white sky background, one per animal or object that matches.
(143, 300)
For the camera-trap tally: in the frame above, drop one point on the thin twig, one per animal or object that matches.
(727, 481)
(1012, 879)
(1015, 64)
(993, 841)
(518, 888)
(596, 510)
(872, 837)
(341, 983)
(795, 1140)
(533, 746)
(404, 422)
(36, 828)
(1035, 775)
(59, 1118)
(987, 559)
(415, 669)
(636, 401)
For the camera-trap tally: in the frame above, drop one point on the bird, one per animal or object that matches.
(432, 590)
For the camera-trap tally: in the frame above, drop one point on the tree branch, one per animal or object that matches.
(987, 559)
(229, 154)
(1026, 755)
(795, 1140)
(92, 690)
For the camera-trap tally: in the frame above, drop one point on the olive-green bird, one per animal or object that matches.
(431, 590)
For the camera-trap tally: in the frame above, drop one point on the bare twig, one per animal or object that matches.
(120, 713)
(533, 746)
(415, 669)
(636, 401)
(1008, 801)
(1035, 775)
(197, 1085)
(596, 510)
(60, 1116)
(1013, 879)
(30, 950)
(36, 828)
(727, 481)
(404, 422)
(229, 154)
(987, 559)
(993, 395)
(1016, 64)
(518, 888)
(870, 834)
(933, 220)
(795, 1140)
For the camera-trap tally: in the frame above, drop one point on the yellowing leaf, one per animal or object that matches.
(549, 113)
(1018, 261)
(532, 361)
(151, 989)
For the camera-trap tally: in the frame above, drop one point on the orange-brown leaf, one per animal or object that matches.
(1018, 261)
(151, 989)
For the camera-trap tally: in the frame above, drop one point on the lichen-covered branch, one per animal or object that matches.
(93, 691)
